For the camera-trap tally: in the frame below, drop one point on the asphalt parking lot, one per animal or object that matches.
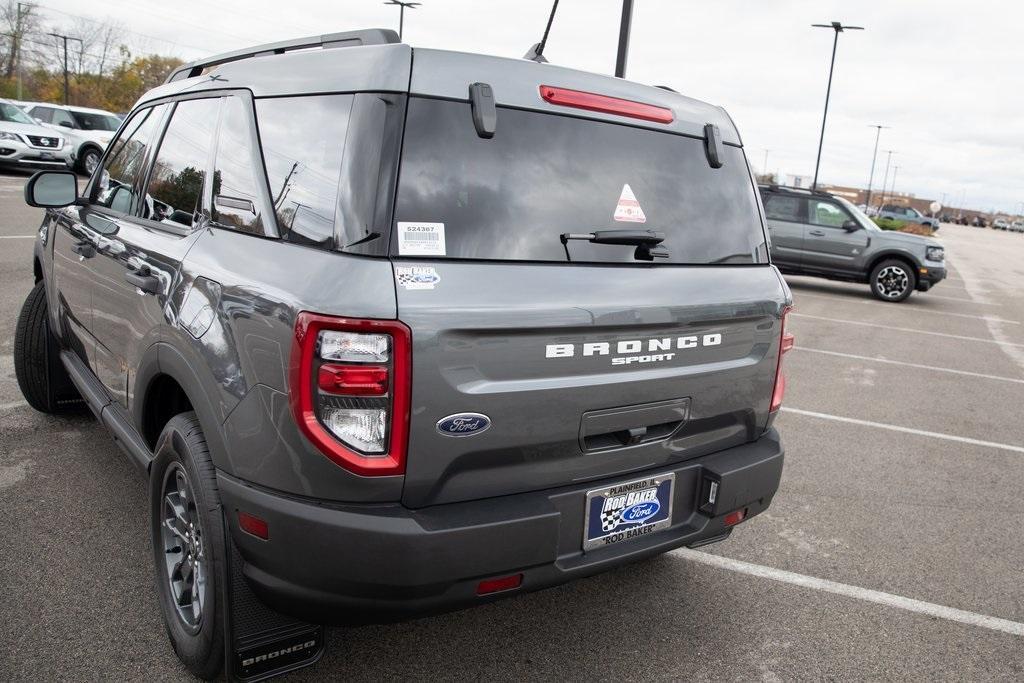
(893, 549)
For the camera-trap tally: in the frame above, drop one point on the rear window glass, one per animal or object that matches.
(782, 207)
(512, 197)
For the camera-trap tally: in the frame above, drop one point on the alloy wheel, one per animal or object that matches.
(892, 282)
(185, 564)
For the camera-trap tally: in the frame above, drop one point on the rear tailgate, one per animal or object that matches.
(480, 345)
(584, 361)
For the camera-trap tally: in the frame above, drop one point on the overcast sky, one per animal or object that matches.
(946, 75)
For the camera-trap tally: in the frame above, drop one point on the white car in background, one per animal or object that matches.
(88, 130)
(26, 144)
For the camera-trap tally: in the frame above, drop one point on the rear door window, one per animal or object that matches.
(511, 197)
(175, 192)
(781, 207)
(237, 192)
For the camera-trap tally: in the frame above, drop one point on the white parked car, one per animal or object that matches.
(26, 144)
(88, 130)
(1001, 224)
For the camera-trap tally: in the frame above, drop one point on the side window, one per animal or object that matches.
(175, 191)
(117, 183)
(827, 214)
(303, 142)
(237, 201)
(44, 114)
(63, 118)
(780, 207)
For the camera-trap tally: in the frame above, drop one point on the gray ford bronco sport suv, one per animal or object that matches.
(818, 233)
(396, 331)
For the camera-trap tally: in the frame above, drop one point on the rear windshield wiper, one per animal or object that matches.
(645, 241)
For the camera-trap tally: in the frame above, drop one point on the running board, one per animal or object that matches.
(261, 643)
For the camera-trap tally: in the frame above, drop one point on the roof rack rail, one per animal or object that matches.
(370, 36)
(775, 187)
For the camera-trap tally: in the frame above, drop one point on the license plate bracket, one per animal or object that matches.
(628, 510)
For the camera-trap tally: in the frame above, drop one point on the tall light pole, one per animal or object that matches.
(66, 39)
(838, 28)
(401, 12)
(892, 188)
(871, 178)
(764, 169)
(885, 179)
(624, 26)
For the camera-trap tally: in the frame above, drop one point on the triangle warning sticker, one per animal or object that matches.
(628, 209)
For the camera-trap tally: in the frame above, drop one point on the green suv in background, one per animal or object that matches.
(817, 233)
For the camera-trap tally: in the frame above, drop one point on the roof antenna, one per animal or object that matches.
(536, 53)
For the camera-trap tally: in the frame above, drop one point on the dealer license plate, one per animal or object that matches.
(627, 511)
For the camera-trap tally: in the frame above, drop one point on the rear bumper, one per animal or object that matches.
(376, 563)
(931, 277)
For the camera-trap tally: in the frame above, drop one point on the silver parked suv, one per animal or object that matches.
(395, 331)
(26, 144)
(817, 233)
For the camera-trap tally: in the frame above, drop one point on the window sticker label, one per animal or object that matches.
(416, 277)
(420, 239)
(628, 209)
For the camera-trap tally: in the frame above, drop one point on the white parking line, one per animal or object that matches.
(17, 237)
(911, 309)
(12, 405)
(907, 329)
(906, 430)
(930, 609)
(910, 365)
(957, 298)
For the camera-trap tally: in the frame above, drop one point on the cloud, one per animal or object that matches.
(943, 74)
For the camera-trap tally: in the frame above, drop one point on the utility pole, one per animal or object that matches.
(624, 27)
(838, 28)
(18, 29)
(871, 178)
(402, 4)
(885, 179)
(66, 39)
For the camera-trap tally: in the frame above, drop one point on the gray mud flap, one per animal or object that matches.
(261, 643)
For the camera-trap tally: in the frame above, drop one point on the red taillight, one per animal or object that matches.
(605, 104)
(786, 342)
(349, 382)
(251, 524)
(354, 380)
(505, 583)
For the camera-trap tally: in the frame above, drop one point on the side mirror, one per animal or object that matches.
(65, 124)
(851, 226)
(52, 189)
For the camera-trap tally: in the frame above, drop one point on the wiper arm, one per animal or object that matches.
(645, 241)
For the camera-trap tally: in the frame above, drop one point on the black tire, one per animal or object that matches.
(196, 631)
(893, 280)
(41, 376)
(89, 160)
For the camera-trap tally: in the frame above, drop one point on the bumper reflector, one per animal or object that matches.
(735, 517)
(505, 583)
(251, 524)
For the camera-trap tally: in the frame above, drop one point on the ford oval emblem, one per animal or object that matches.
(639, 512)
(463, 424)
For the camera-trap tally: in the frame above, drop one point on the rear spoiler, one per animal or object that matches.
(371, 36)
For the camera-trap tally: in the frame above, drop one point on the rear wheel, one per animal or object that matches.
(188, 545)
(892, 280)
(41, 376)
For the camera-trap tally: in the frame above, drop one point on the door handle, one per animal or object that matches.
(83, 249)
(150, 284)
(817, 233)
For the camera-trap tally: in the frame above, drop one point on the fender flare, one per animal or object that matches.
(163, 358)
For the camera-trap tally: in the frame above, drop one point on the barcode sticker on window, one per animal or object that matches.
(421, 239)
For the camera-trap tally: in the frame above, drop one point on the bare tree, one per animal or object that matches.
(19, 24)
